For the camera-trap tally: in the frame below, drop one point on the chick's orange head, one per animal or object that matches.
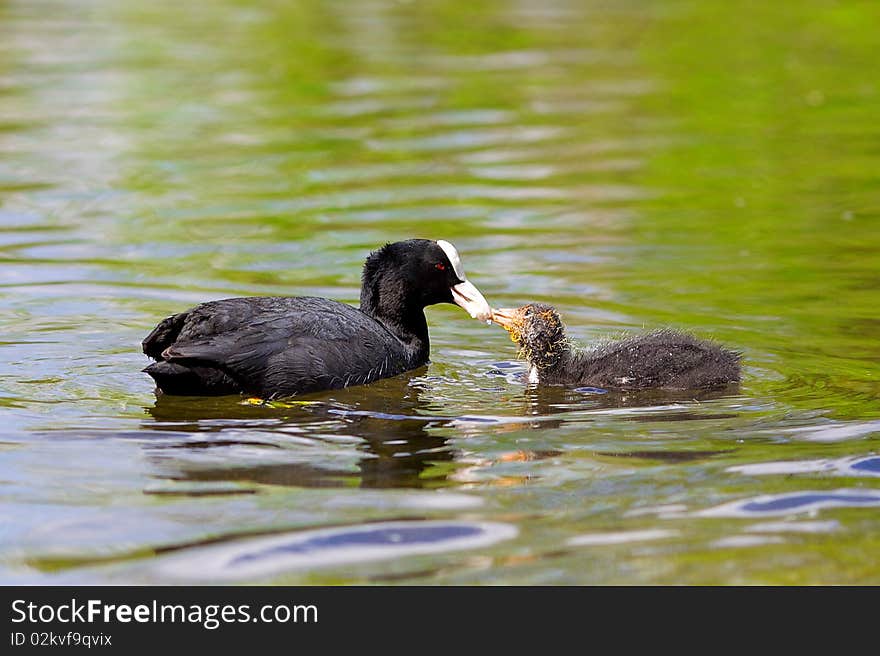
(512, 320)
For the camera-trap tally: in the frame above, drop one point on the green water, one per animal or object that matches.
(706, 165)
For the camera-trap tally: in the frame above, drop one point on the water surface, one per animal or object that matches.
(684, 164)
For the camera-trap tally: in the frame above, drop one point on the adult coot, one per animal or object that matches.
(662, 359)
(275, 347)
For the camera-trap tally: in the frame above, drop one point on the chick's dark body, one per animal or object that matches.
(662, 359)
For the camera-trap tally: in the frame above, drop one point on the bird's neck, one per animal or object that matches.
(405, 320)
(411, 329)
(549, 366)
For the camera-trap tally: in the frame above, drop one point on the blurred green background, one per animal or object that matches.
(706, 165)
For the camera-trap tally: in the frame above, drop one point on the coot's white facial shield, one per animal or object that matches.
(464, 293)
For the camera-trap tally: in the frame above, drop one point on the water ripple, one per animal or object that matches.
(333, 547)
(619, 537)
(794, 502)
(859, 466)
(836, 432)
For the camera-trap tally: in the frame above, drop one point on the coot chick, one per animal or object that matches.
(275, 347)
(663, 359)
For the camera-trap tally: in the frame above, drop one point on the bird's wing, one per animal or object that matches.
(287, 347)
(163, 335)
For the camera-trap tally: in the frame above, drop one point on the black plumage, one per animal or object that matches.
(275, 347)
(663, 359)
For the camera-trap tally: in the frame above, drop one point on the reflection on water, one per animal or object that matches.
(394, 447)
(394, 439)
(646, 405)
(636, 166)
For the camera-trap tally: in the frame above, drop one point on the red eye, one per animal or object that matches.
(440, 267)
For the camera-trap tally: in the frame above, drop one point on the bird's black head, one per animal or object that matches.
(538, 331)
(402, 278)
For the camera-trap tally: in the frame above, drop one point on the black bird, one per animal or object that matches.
(274, 347)
(663, 359)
